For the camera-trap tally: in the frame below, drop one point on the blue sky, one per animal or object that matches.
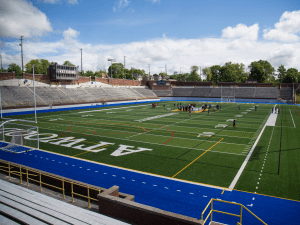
(175, 33)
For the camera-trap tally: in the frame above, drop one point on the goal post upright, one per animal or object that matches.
(18, 138)
(34, 99)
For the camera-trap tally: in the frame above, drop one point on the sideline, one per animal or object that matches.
(239, 173)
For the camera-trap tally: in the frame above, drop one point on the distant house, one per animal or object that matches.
(137, 76)
(104, 75)
(156, 77)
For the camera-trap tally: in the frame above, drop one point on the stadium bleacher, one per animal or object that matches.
(20, 205)
(286, 93)
(22, 96)
(264, 93)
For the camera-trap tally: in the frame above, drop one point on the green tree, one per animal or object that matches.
(194, 76)
(268, 68)
(231, 72)
(14, 67)
(207, 72)
(183, 77)
(40, 66)
(68, 63)
(281, 73)
(89, 73)
(257, 72)
(215, 73)
(116, 69)
(43, 66)
(291, 76)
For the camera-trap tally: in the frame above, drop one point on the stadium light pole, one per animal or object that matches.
(22, 52)
(81, 60)
(111, 60)
(34, 95)
(1, 62)
(124, 68)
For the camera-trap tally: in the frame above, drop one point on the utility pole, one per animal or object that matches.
(149, 70)
(124, 68)
(1, 63)
(21, 52)
(166, 69)
(200, 72)
(81, 60)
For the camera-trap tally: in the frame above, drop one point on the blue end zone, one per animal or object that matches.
(14, 149)
(169, 194)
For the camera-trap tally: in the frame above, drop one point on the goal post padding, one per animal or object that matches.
(18, 138)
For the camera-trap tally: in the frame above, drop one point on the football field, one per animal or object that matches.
(202, 148)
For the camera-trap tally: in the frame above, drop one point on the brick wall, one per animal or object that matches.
(191, 83)
(7, 75)
(37, 77)
(127, 210)
(225, 84)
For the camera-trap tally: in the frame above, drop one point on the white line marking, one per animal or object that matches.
(292, 118)
(239, 173)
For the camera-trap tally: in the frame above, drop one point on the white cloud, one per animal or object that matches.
(58, 1)
(121, 4)
(176, 54)
(51, 1)
(241, 31)
(13, 24)
(70, 34)
(286, 29)
(72, 1)
(233, 46)
(154, 1)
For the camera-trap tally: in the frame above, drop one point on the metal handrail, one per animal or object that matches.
(10, 172)
(227, 213)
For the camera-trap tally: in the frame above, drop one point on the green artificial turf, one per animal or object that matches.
(202, 148)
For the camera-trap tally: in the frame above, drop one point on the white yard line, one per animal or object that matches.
(112, 108)
(292, 118)
(239, 173)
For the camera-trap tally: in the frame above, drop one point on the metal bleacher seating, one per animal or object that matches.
(182, 91)
(19, 205)
(79, 95)
(163, 93)
(201, 92)
(245, 92)
(144, 91)
(286, 93)
(271, 92)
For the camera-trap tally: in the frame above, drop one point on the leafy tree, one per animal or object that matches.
(207, 72)
(89, 73)
(44, 64)
(183, 77)
(68, 63)
(116, 69)
(40, 66)
(14, 67)
(257, 72)
(128, 74)
(215, 73)
(281, 73)
(271, 79)
(232, 72)
(291, 76)
(194, 76)
(268, 68)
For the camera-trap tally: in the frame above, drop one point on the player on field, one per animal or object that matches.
(233, 124)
